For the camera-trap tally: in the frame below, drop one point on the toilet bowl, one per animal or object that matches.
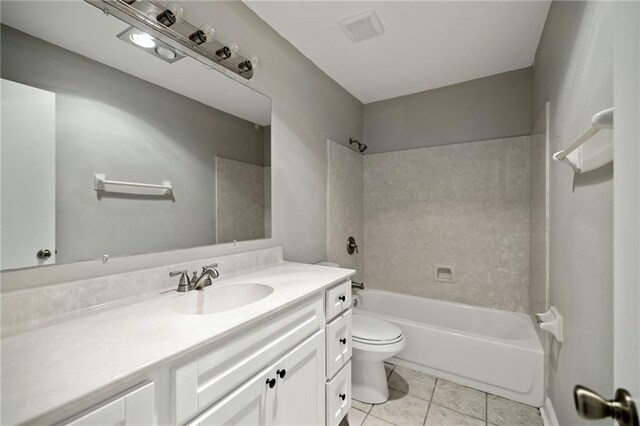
(374, 341)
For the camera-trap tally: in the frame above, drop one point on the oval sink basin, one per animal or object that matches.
(220, 298)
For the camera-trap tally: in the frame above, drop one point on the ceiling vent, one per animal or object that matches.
(362, 26)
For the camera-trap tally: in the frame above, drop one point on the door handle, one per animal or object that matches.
(591, 405)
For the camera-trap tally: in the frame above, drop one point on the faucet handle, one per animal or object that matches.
(213, 265)
(185, 282)
(176, 273)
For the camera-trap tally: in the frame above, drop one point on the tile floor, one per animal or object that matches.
(416, 398)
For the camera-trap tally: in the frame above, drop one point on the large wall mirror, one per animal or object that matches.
(114, 145)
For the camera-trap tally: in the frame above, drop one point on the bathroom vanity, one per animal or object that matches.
(284, 359)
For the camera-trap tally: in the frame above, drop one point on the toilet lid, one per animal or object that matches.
(374, 331)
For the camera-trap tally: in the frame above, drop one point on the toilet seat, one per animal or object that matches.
(372, 331)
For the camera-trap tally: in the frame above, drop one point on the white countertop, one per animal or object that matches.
(57, 367)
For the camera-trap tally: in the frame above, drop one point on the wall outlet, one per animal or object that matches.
(444, 273)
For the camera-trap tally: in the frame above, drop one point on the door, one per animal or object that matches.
(300, 395)
(626, 229)
(28, 199)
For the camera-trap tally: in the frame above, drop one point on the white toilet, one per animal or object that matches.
(374, 341)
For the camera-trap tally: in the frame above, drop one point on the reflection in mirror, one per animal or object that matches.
(112, 146)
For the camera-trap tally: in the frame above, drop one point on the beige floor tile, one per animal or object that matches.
(353, 418)
(374, 421)
(460, 398)
(388, 368)
(503, 412)
(362, 406)
(412, 382)
(401, 409)
(441, 416)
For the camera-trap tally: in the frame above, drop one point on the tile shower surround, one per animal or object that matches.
(24, 310)
(464, 205)
(344, 206)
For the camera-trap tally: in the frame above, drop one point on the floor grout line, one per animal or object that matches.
(486, 408)
(433, 391)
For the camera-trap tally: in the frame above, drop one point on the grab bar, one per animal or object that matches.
(100, 180)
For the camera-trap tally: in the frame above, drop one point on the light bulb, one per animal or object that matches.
(234, 48)
(142, 40)
(255, 62)
(209, 32)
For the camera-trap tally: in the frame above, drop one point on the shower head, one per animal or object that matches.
(361, 146)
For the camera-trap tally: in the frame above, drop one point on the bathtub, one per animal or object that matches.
(487, 349)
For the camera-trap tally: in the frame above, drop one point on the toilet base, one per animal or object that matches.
(369, 381)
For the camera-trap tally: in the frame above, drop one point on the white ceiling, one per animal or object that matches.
(84, 29)
(426, 44)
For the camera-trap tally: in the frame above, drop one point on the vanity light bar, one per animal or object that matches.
(152, 18)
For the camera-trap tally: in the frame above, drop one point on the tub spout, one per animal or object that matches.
(357, 285)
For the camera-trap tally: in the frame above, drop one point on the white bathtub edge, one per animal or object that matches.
(548, 413)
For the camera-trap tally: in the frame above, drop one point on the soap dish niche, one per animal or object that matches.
(444, 273)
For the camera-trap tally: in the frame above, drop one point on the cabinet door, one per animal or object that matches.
(248, 405)
(300, 391)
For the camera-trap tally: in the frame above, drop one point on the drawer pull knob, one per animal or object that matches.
(343, 396)
(343, 341)
(271, 383)
(281, 373)
(342, 298)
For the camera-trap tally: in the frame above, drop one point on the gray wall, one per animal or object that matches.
(497, 106)
(110, 122)
(574, 71)
(307, 109)
(464, 206)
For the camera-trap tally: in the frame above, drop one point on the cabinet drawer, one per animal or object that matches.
(203, 381)
(338, 299)
(339, 396)
(339, 347)
(135, 407)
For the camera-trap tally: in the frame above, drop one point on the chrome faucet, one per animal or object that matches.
(355, 284)
(209, 273)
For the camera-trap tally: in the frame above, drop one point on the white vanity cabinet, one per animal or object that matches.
(288, 392)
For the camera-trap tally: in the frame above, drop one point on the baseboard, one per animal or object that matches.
(548, 413)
